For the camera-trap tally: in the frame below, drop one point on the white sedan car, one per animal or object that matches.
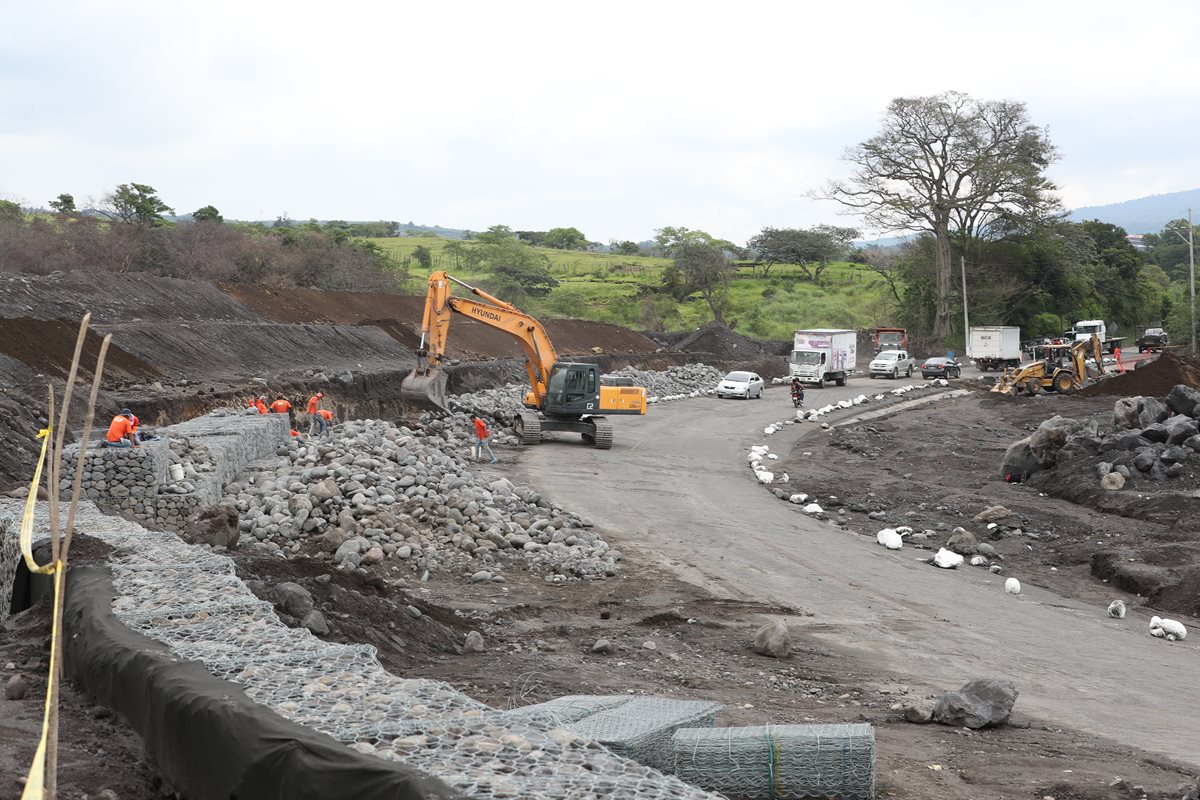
(741, 384)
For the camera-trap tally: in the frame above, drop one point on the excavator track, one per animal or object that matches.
(603, 437)
(528, 426)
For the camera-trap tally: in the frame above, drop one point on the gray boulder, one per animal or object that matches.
(1174, 455)
(350, 552)
(1019, 461)
(1051, 435)
(1157, 433)
(315, 621)
(215, 525)
(773, 640)
(294, 599)
(1145, 458)
(1183, 400)
(1128, 440)
(919, 712)
(1192, 443)
(1112, 482)
(963, 542)
(473, 643)
(1125, 413)
(1150, 411)
(1180, 428)
(982, 703)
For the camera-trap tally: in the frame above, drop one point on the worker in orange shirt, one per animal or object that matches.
(326, 417)
(282, 406)
(316, 424)
(120, 431)
(481, 439)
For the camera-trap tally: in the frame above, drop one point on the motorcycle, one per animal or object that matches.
(797, 396)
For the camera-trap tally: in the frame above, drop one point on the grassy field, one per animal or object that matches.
(604, 287)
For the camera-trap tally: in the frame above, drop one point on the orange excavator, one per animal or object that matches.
(563, 396)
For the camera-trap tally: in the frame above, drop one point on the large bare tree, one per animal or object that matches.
(952, 166)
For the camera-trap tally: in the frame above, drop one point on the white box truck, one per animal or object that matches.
(823, 354)
(995, 347)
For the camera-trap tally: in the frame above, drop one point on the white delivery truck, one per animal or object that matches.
(823, 354)
(995, 346)
(1084, 329)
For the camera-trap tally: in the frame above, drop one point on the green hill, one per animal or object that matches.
(605, 287)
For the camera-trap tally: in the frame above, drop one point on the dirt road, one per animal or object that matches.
(676, 488)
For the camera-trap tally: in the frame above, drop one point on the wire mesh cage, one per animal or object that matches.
(779, 761)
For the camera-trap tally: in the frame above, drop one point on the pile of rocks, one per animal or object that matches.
(1150, 439)
(675, 383)
(373, 492)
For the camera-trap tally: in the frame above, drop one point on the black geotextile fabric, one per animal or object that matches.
(210, 741)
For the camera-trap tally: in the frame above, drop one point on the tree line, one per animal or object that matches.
(127, 231)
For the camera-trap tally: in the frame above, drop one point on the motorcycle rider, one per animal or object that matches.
(797, 392)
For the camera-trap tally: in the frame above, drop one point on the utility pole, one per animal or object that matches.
(1192, 276)
(962, 261)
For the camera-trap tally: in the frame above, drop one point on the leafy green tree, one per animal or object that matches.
(668, 241)
(625, 248)
(702, 269)
(535, 238)
(423, 256)
(951, 166)
(566, 239)
(496, 234)
(135, 204)
(63, 204)
(10, 211)
(817, 246)
(207, 214)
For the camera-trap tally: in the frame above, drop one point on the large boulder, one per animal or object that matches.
(215, 525)
(773, 640)
(1150, 411)
(293, 599)
(982, 703)
(1127, 440)
(1125, 413)
(1019, 461)
(1180, 428)
(1048, 439)
(1183, 400)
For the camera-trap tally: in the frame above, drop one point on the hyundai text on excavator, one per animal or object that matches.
(1063, 369)
(563, 396)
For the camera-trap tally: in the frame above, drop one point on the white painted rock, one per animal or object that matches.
(798, 498)
(1012, 586)
(978, 561)
(813, 508)
(1169, 629)
(947, 559)
(889, 539)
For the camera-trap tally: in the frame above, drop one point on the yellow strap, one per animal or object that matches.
(30, 503)
(35, 781)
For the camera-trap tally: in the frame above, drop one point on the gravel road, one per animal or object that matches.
(676, 488)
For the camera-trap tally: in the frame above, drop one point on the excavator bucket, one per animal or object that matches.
(425, 390)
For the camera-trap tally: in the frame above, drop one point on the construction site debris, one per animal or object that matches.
(982, 703)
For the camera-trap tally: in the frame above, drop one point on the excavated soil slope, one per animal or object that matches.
(400, 317)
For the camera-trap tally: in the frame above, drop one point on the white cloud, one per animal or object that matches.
(616, 118)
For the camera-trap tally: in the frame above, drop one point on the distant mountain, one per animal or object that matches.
(1145, 214)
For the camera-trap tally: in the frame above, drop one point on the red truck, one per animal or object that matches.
(889, 339)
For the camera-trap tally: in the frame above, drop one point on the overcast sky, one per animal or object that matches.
(615, 117)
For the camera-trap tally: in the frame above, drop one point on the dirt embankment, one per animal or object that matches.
(1155, 379)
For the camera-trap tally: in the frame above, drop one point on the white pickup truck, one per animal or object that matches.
(892, 364)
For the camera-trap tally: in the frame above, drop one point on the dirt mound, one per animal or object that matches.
(1153, 380)
(48, 345)
(720, 340)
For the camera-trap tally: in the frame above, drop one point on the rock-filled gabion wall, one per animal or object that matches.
(136, 481)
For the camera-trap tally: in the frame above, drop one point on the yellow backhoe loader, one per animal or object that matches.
(562, 396)
(1062, 369)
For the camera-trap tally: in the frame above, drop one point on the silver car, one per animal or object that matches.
(741, 384)
(892, 363)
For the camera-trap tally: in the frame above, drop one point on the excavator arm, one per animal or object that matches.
(425, 386)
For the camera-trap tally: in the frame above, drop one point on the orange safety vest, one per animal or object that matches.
(326, 414)
(281, 406)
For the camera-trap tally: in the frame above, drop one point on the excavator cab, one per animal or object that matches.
(573, 389)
